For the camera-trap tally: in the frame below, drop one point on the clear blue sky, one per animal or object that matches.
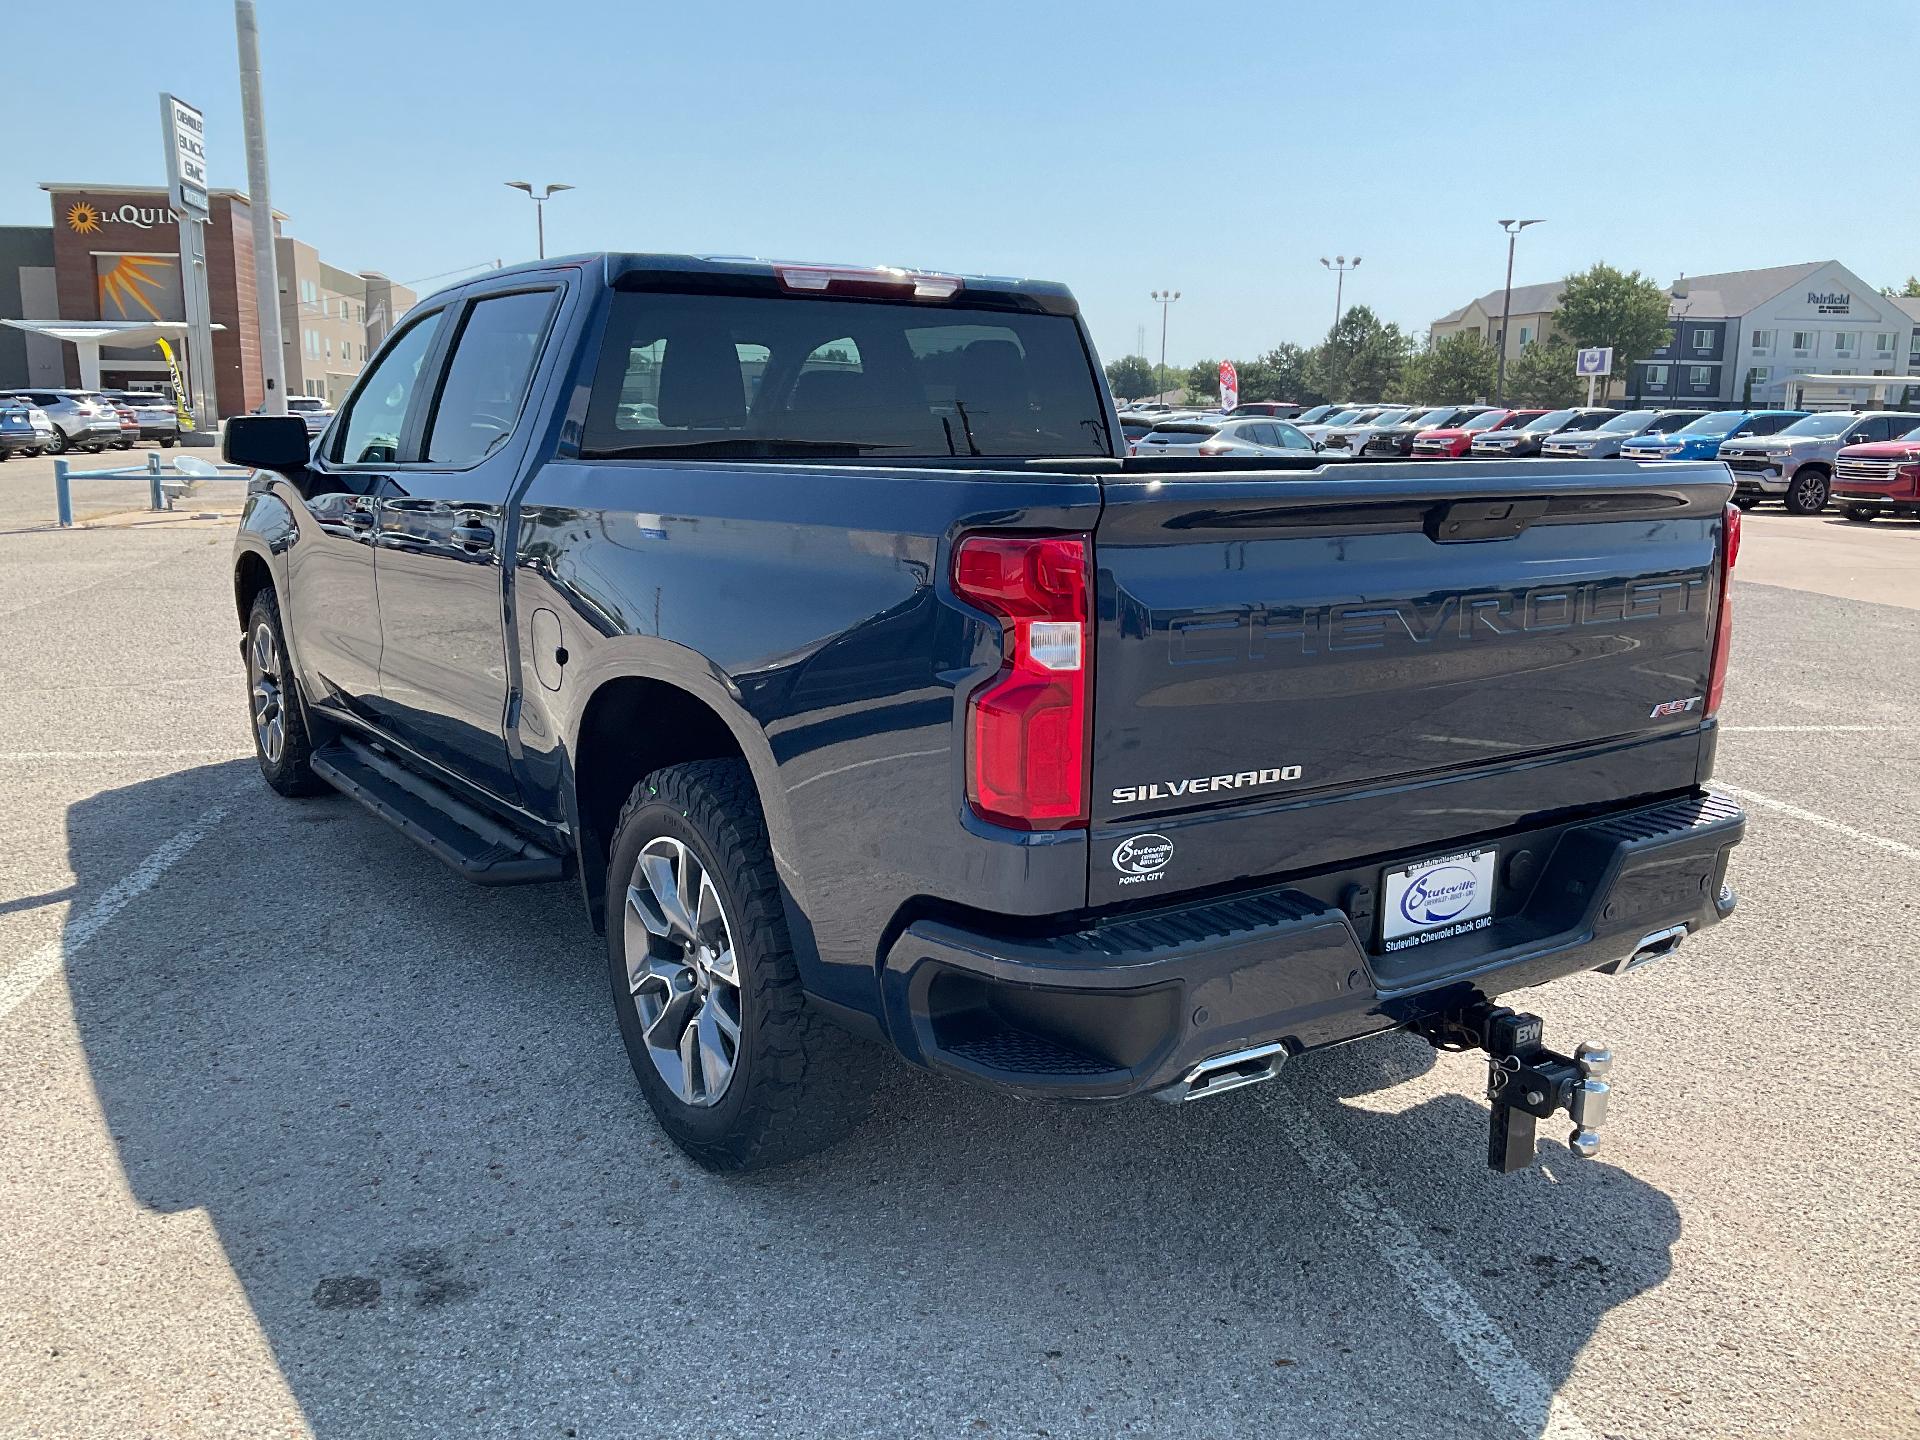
(1117, 147)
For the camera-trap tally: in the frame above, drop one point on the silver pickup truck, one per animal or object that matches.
(1796, 465)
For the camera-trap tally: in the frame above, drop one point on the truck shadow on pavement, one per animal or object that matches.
(403, 1104)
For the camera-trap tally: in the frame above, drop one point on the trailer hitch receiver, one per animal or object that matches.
(1527, 1082)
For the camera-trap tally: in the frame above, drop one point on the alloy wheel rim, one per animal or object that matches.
(682, 974)
(265, 681)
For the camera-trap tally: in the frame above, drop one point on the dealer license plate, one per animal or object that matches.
(1437, 899)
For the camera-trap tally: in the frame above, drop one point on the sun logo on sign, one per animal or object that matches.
(84, 219)
(134, 282)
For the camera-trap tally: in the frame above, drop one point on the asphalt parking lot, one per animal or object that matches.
(304, 1136)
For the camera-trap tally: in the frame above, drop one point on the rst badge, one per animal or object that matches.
(1675, 707)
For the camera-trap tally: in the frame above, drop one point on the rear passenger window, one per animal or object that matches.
(487, 380)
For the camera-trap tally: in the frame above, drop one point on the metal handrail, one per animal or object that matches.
(154, 472)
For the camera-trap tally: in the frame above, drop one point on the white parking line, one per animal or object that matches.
(21, 981)
(1865, 837)
(1520, 1391)
(235, 752)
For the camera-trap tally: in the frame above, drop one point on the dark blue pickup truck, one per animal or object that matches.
(812, 621)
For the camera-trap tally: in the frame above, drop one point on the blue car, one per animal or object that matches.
(1702, 439)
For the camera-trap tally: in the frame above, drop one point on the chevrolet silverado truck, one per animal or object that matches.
(1796, 464)
(813, 623)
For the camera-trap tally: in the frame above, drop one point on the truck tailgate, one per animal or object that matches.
(1302, 669)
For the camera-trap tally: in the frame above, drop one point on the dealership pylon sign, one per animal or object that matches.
(185, 130)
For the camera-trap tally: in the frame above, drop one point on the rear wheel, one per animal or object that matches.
(740, 1071)
(57, 445)
(166, 442)
(280, 740)
(1807, 494)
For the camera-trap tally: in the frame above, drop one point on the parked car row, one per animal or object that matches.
(52, 422)
(1869, 462)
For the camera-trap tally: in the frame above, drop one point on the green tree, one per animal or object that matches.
(1280, 374)
(1130, 377)
(1202, 380)
(1361, 358)
(1453, 370)
(1908, 291)
(1608, 307)
(1543, 375)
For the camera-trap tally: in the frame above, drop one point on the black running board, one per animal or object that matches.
(480, 848)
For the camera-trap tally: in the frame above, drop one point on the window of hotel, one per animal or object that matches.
(1526, 336)
(1703, 339)
(1762, 342)
(1883, 343)
(1845, 342)
(1757, 376)
(1699, 375)
(1656, 377)
(1803, 342)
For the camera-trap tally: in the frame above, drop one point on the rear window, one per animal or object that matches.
(756, 377)
(1183, 432)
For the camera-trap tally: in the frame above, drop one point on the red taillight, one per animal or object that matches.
(1027, 727)
(1723, 625)
(1213, 447)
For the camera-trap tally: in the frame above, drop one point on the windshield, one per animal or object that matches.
(1833, 423)
(1346, 417)
(1390, 417)
(1913, 434)
(1308, 417)
(1488, 421)
(1547, 423)
(1631, 423)
(1431, 418)
(1667, 424)
(1722, 422)
(764, 376)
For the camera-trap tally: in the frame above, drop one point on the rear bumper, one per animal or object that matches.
(1130, 1005)
(15, 442)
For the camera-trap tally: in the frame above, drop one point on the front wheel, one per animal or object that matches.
(1807, 494)
(1746, 502)
(166, 442)
(280, 740)
(123, 444)
(1861, 513)
(739, 1070)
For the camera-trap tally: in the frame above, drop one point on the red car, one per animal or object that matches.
(1882, 478)
(1451, 444)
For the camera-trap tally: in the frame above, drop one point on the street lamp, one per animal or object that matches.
(1164, 299)
(1339, 265)
(539, 207)
(1513, 229)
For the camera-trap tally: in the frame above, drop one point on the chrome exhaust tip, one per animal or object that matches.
(1231, 1071)
(1651, 947)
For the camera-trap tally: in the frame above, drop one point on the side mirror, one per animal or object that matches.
(267, 442)
(1318, 446)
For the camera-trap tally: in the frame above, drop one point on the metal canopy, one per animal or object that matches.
(88, 336)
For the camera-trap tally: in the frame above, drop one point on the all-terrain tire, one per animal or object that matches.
(799, 1083)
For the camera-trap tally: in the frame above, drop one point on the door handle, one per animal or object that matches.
(359, 519)
(473, 537)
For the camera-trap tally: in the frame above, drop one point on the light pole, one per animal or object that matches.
(1513, 229)
(1339, 265)
(539, 207)
(1164, 299)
